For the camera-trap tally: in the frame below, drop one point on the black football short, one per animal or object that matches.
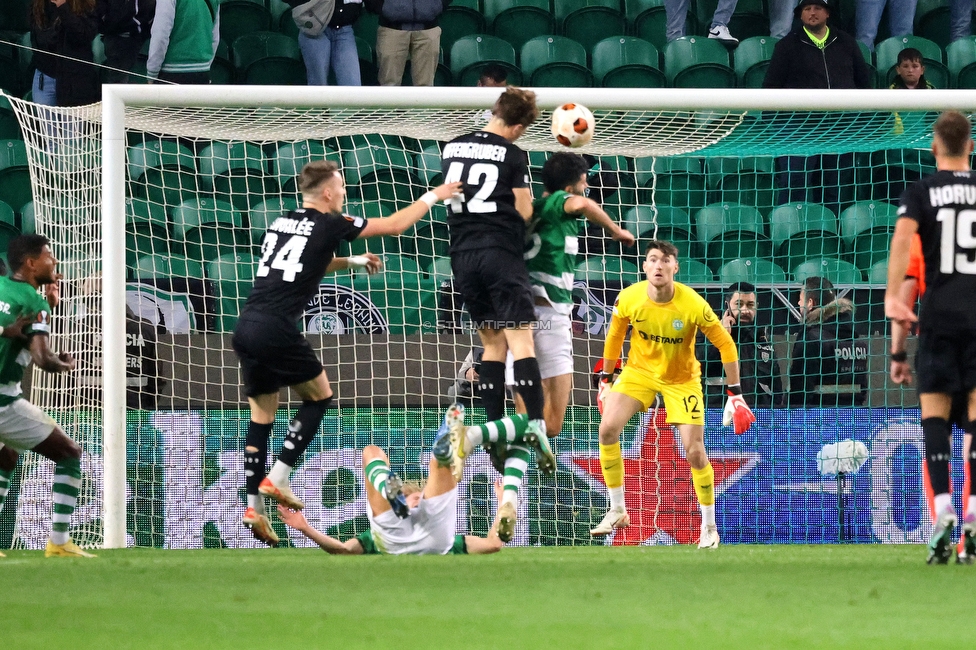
(495, 287)
(946, 362)
(273, 354)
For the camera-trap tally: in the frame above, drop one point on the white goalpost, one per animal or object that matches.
(114, 186)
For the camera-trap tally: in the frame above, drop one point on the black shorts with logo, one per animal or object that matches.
(273, 354)
(946, 361)
(495, 287)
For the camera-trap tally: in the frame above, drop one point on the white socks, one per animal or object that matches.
(617, 498)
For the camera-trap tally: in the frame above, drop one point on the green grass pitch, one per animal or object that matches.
(592, 597)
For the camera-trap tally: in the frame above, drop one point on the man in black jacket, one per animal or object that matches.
(759, 373)
(124, 26)
(408, 29)
(830, 359)
(816, 56)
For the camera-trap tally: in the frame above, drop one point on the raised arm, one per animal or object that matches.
(330, 545)
(398, 222)
(596, 215)
(369, 261)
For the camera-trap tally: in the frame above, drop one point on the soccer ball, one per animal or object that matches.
(572, 125)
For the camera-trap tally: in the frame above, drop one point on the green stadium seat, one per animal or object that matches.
(440, 270)
(749, 19)
(236, 172)
(143, 216)
(886, 54)
(442, 74)
(878, 273)
(381, 173)
(7, 215)
(675, 181)
(469, 54)
(961, 56)
(233, 277)
(755, 271)
(368, 71)
(431, 241)
(366, 26)
(697, 62)
(428, 164)
(800, 231)
(932, 21)
(27, 219)
(729, 231)
(589, 21)
(693, 272)
(517, 21)
(869, 248)
(627, 62)
(292, 156)
(15, 183)
(263, 214)
(648, 20)
(268, 58)
(138, 245)
(837, 271)
(878, 81)
(239, 17)
(751, 60)
(673, 225)
(9, 126)
(555, 61)
(753, 184)
(460, 18)
(208, 227)
(221, 69)
(162, 171)
(607, 269)
(150, 267)
(866, 217)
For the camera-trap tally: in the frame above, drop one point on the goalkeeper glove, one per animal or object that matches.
(737, 412)
(602, 381)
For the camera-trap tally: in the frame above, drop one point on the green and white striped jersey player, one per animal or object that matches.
(550, 257)
(23, 426)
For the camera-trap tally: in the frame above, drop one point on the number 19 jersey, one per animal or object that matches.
(295, 251)
(490, 168)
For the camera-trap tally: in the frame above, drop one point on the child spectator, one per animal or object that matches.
(910, 71)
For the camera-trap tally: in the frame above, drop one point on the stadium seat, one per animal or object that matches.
(162, 171)
(469, 54)
(209, 228)
(440, 270)
(368, 70)
(263, 214)
(878, 273)
(869, 248)
(428, 164)
(648, 20)
(555, 61)
(366, 26)
(693, 272)
(517, 21)
(15, 183)
(292, 156)
(442, 74)
(729, 231)
(675, 181)
(150, 267)
(221, 69)
(961, 56)
(866, 217)
(800, 231)
(607, 269)
(236, 172)
(460, 18)
(886, 54)
(431, 241)
(754, 271)
(143, 216)
(751, 60)
(894, 169)
(837, 271)
(673, 225)
(381, 173)
(233, 277)
(932, 21)
(27, 219)
(589, 21)
(752, 183)
(696, 62)
(626, 62)
(268, 58)
(749, 19)
(7, 215)
(239, 17)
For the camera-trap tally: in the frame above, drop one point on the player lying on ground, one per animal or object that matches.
(940, 209)
(665, 316)
(404, 519)
(23, 426)
(297, 250)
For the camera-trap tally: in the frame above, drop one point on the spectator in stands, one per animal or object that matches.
(910, 71)
(676, 12)
(830, 359)
(124, 26)
(185, 35)
(816, 56)
(465, 386)
(331, 43)
(61, 33)
(408, 29)
(493, 76)
(867, 17)
(781, 17)
(758, 370)
(960, 19)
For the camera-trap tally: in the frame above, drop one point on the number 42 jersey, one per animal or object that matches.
(295, 251)
(944, 205)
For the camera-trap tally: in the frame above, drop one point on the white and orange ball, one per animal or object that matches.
(572, 125)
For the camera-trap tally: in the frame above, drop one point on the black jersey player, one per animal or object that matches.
(298, 249)
(941, 208)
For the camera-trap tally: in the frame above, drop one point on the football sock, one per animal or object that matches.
(301, 430)
(613, 473)
(516, 463)
(507, 429)
(708, 515)
(64, 497)
(704, 480)
(377, 471)
(528, 384)
(942, 502)
(255, 462)
(491, 388)
(938, 452)
(4, 485)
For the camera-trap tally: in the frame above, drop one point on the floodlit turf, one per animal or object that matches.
(737, 596)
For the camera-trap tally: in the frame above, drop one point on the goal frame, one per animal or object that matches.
(116, 98)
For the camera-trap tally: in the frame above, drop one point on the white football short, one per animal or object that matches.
(428, 530)
(23, 426)
(553, 345)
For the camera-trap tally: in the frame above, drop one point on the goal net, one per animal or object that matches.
(156, 200)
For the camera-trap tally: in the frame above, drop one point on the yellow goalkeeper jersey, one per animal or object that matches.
(663, 341)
